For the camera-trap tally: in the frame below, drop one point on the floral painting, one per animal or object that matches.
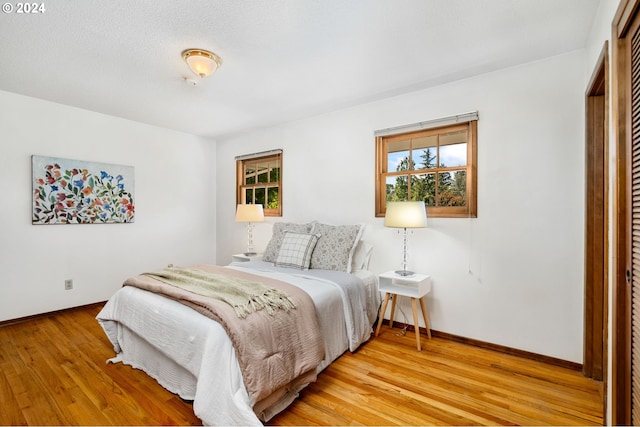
(78, 192)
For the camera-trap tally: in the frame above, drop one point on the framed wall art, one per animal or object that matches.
(69, 191)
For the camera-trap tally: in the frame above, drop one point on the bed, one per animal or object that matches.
(193, 356)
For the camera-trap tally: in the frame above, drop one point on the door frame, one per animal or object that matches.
(597, 221)
(623, 21)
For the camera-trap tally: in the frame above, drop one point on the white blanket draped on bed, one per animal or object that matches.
(192, 356)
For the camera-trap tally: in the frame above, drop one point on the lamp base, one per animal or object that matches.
(404, 273)
(250, 253)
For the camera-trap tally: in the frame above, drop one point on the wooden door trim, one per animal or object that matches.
(621, 306)
(596, 220)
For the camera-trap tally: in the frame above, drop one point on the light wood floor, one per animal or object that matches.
(53, 372)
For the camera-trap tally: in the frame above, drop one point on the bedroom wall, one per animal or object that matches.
(514, 275)
(174, 194)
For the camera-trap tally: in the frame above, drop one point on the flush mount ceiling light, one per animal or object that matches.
(202, 62)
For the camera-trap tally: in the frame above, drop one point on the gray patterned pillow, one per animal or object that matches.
(273, 247)
(334, 250)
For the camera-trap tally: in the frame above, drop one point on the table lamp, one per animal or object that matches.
(405, 215)
(249, 214)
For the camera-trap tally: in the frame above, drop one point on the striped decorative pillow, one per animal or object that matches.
(296, 250)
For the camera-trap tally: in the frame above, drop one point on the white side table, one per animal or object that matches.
(244, 258)
(414, 287)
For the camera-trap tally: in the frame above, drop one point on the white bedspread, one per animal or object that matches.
(198, 361)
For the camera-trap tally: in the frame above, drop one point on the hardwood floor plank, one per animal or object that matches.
(540, 392)
(434, 390)
(398, 406)
(11, 414)
(409, 388)
(39, 392)
(37, 406)
(369, 408)
(450, 369)
(313, 412)
(54, 372)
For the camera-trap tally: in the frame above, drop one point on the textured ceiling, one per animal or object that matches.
(282, 59)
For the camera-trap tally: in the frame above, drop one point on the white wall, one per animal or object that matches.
(174, 194)
(514, 275)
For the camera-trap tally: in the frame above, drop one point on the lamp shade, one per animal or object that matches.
(249, 213)
(405, 215)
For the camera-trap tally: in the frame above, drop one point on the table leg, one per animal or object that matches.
(414, 306)
(425, 317)
(382, 311)
(394, 299)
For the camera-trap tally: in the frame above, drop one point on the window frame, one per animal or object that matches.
(241, 186)
(468, 211)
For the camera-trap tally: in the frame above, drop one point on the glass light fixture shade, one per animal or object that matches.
(202, 62)
(249, 213)
(405, 215)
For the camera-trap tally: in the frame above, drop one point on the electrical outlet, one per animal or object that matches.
(68, 284)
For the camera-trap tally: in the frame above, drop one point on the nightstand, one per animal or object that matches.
(244, 258)
(414, 287)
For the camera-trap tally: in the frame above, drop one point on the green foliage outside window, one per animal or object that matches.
(451, 185)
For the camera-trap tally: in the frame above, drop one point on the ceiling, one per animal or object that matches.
(282, 59)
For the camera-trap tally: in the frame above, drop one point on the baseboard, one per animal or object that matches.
(51, 313)
(497, 347)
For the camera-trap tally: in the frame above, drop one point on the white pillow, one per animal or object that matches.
(336, 246)
(361, 256)
(296, 249)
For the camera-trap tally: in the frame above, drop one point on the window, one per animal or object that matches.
(259, 181)
(434, 164)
